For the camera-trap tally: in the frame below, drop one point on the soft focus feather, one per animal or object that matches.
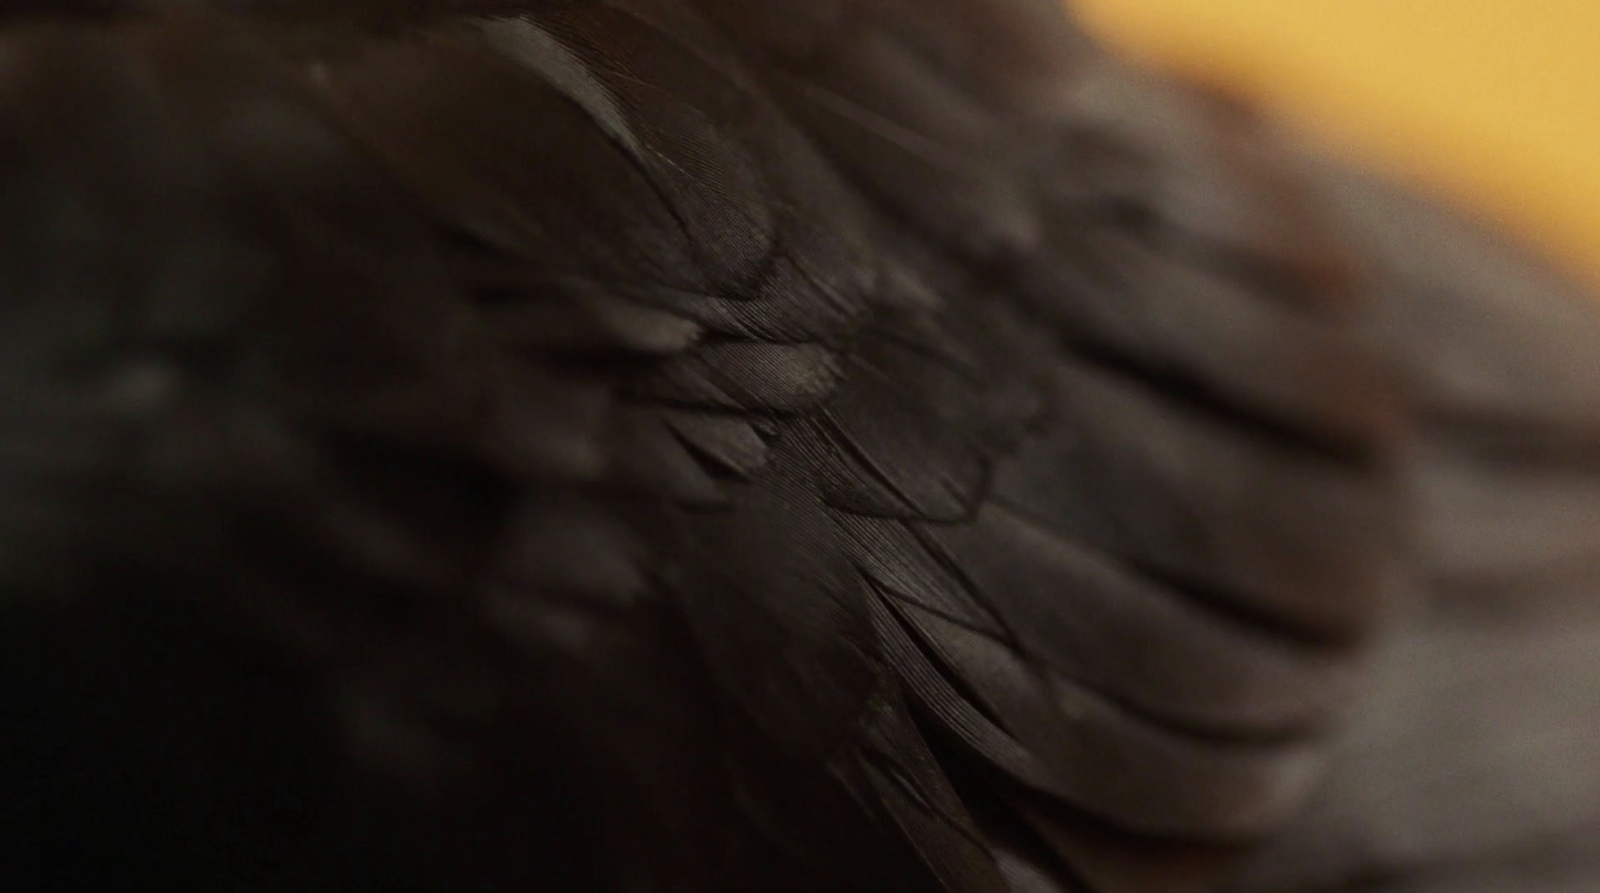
(653, 445)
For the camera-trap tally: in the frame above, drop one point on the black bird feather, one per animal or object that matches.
(669, 445)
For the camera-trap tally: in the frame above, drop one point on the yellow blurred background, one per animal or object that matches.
(1491, 104)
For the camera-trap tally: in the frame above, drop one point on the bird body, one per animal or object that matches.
(665, 445)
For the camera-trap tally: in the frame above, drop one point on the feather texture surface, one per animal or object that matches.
(663, 445)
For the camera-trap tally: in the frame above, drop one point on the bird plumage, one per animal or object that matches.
(658, 445)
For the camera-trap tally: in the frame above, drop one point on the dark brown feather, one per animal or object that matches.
(668, 446)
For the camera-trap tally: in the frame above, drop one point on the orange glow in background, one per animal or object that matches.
(1491, 104)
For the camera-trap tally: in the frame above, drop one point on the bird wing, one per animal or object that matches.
(697, 446)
